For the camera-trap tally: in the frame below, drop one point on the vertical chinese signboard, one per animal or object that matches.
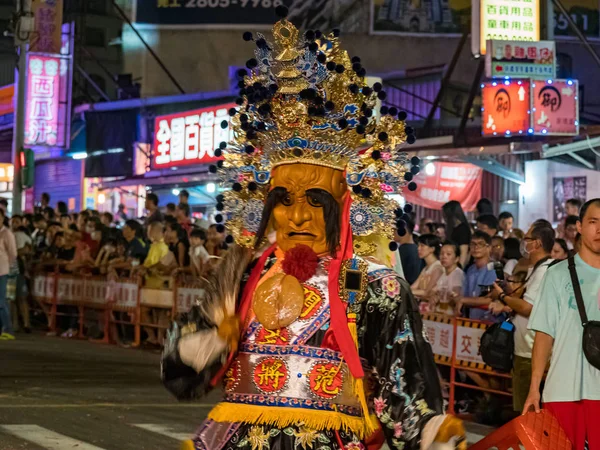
(43, 90)
(520, 59)
(506, 108)
(48, 16)
(555, 107)
(190, 137)
(507, 20)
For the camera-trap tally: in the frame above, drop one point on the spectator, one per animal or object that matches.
(512, 255)
(518, 234)
(560, 251)
(429, 251)
(497, 249)
(481, 273)
(440, 231)
(177, 240)
(571, 231)
(506, 221)
(539, 241)
(184, 197)
(136, 248)
(484, 207)
(409, 254)
(48, 214)
(24, 252)
(572, 207)
(154, 214)
(8, 255)
(183, 217)
(45, 201)
(4, 208)
(171, 210)
(424, 227)
(488, 224)
(572, 388)
(39, 233)
(107, 219)
(65, 221)
(198, 255)
(122, 212)
(215, 244)
(61, 208)
(449, 286)
(457, 229)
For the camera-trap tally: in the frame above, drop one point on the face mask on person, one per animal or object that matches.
(524, 250)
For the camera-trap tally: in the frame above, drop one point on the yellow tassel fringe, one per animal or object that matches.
(282, 417)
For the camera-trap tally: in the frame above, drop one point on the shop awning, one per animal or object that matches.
(582, 153)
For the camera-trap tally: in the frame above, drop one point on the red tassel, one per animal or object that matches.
(300, 262)
(339, 320)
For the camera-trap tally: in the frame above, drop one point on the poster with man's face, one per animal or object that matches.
(564, 189)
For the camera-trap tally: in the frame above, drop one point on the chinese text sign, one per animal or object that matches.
(506, 108)
(190, 137)
(507, 20)
(520, 59)
(43, 89)
(555, 107)
(48, 17)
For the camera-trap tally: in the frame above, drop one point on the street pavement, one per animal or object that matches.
(58, 394)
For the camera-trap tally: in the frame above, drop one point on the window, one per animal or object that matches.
(95, 37)
(564, 66)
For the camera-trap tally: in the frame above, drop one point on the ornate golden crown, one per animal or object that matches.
(305, 101)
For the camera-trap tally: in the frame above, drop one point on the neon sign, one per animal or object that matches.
(190, 137)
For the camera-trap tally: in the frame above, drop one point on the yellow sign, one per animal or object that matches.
(48, 15)
(6, 173)
(505, 20)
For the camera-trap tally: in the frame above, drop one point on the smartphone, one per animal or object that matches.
(499, 269)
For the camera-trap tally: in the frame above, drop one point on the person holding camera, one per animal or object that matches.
(536, 246)
(569, 298)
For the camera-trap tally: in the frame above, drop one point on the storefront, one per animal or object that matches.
(163, 145)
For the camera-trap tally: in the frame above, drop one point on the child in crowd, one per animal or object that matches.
(198, 255)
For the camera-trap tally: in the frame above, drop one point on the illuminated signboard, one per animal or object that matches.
(506, 20)
(520, 59)
(555, 107)
(43, 96)
(506, 108)
(190, 137)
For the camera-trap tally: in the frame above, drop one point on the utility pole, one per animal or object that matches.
(23, 28)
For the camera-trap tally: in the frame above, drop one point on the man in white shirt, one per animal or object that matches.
(538, 244)
(572, 388)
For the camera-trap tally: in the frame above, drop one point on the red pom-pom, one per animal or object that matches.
(300, 262)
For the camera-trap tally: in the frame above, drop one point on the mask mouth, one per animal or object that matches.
(301, 234)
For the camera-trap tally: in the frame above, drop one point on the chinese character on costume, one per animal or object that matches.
(316, 343)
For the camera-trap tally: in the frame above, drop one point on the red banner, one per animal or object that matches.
(440, 182)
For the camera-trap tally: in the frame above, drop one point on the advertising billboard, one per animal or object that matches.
(190, 137)
(506, 20)
(505, 107)
(520, 59)
(446, 182)
(555, 107)
(420, 17)
(48, 17)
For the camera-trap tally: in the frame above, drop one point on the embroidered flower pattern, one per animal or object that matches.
(390, 286)
(380, 404)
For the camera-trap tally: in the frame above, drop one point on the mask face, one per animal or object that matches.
(523, 249)
(299, 217)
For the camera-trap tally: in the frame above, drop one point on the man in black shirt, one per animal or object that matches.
(409, 256)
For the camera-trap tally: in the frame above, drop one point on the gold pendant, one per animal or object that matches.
(278, 301)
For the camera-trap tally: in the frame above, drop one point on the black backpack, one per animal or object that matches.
(498, 346)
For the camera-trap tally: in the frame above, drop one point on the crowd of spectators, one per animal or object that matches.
(158, 247)
(486, 269)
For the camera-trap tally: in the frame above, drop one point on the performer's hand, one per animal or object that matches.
(452, 430)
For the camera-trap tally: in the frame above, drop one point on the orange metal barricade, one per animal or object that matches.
(534, 431)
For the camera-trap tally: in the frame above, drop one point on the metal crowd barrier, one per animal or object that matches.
(106, 296)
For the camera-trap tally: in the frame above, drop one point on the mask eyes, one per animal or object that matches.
(287, 200)
(313, 201)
